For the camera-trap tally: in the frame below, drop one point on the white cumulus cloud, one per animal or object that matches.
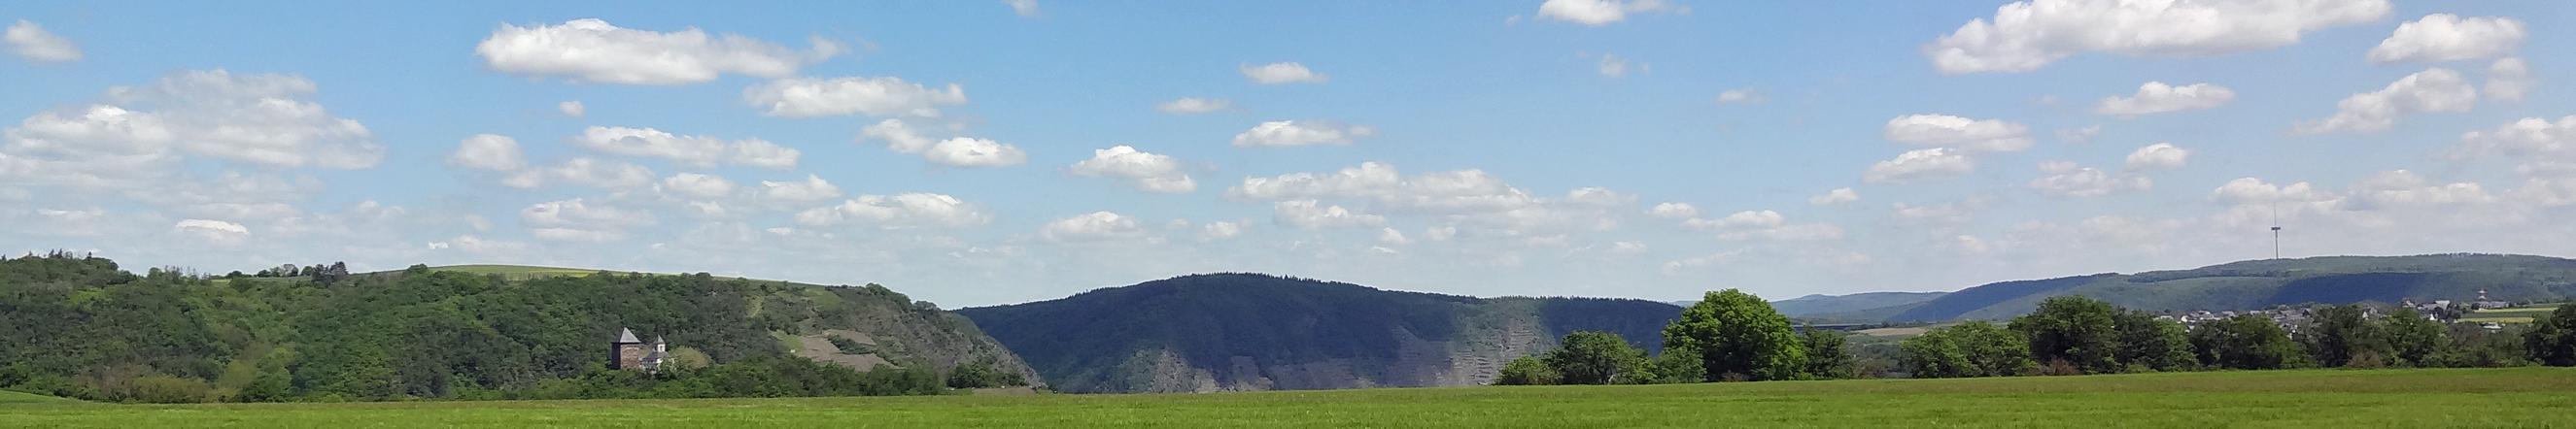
(1835, 197)
(2431, 90)
(872, 96)
(1310, 214)
(1979, 135)
(1146, 171)
(32, 42)
(1281, 73)
(703, 151)
(2027, 35)
(1090, 227)
(1601, 12)
(2158, 97)
(2446, 37)
(2159, 156)
(592, 50)
(1194, 105)
(2508, 79)
(904, 211)
(1920, 164)
(488, 152)
(1300, 133)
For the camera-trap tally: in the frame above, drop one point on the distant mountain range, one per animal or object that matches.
(2259, 284)
(1218, 332)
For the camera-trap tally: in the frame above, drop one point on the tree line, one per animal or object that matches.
(1728, 336)
(77, 326)
(1735, 336)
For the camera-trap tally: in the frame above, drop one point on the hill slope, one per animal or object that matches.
(1819, 305)
(82, 327)
(2265, 283)
(1217, 332)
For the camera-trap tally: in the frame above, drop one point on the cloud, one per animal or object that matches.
(2540, 144)
(968, 152)
(702, 186)
(584, 171)
(32, 42)
(1614, 66)
(1741, 96)
(572, 108)
(2157, 97)
(214, 231)
(1764, 225)
(1740, 220)
(1023, 8)
(899, 136)
(871, 96)
(905, 211)
(579, 213)
(2432, 90)
(2508, 79)
(1986, 135)
(1837, 196)
(2079, 135)
(2249, 191)
(2446, 37)
(974, 153)
(488, 152)
(1090, 227)
(1309, 214)
(1446, 191)
(1219, 231)
(592, 50)
(1194, 105)
(2399, 188)
(579, 220)
(2159, 156)
(1392, 237)
(2027, 35)
(1146, 171)
(1601, 12)
(1674, 211)
(703, 151)
(1920, 164)
(1281, 73)
(139, 135)
(1300, 133)
(812, 189)
(2065, 179)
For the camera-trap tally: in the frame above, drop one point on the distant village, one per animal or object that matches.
(2292, 318)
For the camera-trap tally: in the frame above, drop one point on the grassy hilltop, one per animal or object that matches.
(2515, 397)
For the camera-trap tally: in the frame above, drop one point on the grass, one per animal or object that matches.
(10, 397)
(2514, 397)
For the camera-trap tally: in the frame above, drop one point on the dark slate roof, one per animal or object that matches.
(625, 336)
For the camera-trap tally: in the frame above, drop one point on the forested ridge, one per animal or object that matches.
(1237, 331)
(79, 326)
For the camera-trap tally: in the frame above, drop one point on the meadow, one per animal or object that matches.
(2510, 397)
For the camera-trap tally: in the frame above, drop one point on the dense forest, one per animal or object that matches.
(1257, 332)
(1733, 336)
(80, 327)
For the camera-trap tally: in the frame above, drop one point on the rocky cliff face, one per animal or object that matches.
(1232, 332)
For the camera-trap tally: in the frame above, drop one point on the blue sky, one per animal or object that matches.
(1491, 148)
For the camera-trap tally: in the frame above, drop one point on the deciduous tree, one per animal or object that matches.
(1740, 337)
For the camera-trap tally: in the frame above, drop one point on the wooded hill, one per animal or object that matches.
(1215, 332)
(2260, 284)
(79, 326)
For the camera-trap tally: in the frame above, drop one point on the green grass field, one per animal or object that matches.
(2516, 397)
